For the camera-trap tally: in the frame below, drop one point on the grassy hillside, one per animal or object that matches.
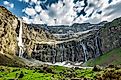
(60, 73)
(111, 57)
(45, 73)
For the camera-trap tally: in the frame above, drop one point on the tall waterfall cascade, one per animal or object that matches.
(84, 51)
(20, 43)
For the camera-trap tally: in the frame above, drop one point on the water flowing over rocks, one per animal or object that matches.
(34, 41)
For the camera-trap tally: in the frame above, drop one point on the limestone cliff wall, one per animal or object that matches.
(8, 25)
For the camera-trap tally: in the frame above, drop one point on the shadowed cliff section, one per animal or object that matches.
(110, 35)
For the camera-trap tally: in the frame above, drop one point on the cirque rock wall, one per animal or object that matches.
(72, 51)
(33, 41)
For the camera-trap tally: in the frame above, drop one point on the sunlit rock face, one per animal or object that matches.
(8, 25)
(17, 36)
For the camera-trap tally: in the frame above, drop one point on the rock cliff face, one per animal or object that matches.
(31, 36)
(80, 49)
(17, 37)
(8, 24)
(110, 35)
(87, 46)
(32, 41)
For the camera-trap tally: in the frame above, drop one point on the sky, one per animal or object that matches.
(64, 12)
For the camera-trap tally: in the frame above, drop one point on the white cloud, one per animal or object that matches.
(26, 1)
(112, 11)
(33, 1)
(29, 11)
(27, 20)
(8, 4)
(38, 8)
(65, 12)
(37, 20)
(20, 0)
(5, 2)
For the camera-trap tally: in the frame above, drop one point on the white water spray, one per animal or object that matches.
(20, 44)
(85, 51)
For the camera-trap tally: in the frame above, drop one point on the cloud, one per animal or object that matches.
(29, 11)
(56, 14)
(38, 8)
(20, 0)
(33, 1)
(27, 20)
(8, 4)
(69, 12)
(26, 1)
(112, 11)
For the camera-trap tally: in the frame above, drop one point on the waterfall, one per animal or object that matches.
(73, 55)
(97, 50)
(20, 44)
(61, 52)
(97, 42)
(53, 55)
(85, 51)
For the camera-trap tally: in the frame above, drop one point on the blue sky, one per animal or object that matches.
(58, 12)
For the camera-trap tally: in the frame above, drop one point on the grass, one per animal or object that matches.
(58, 73)
(21, 73)
(111, 57)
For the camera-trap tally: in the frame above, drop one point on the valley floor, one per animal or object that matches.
(45, 73)
(60, 73)
(53, 72)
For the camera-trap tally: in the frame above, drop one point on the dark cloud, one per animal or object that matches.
(76, 1)
(91, 5)
(49, 2)
(99, 12)
(110, 1)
